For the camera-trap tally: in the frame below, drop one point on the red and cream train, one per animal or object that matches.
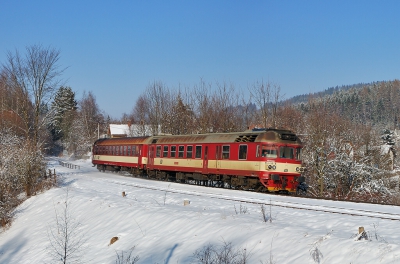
(253, 159)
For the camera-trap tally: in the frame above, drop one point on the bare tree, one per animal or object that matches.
(266, 96)
(225, 102)
(65, 236)
(87, 125)
(36, 76)
(159, 105)
(291, 118)
(319, 129)
(181, 118)
(140, 115)
(248, 110)
(203, 107)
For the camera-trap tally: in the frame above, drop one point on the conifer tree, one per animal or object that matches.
(64, 107)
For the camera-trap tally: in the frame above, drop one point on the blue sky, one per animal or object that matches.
(117, 48)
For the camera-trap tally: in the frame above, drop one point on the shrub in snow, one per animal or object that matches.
(266, 214)
(223, 254)
(22, 169)
(126, 257)
(242, 209)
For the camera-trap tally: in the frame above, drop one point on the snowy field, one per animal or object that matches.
(152, 218)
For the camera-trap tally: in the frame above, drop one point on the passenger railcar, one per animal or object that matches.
(117, 154)
(253, 160)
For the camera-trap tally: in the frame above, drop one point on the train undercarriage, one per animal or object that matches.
(209, 180)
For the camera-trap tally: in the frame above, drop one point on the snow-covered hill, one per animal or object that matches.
(152, 218)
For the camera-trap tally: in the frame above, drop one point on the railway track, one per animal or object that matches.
(274, 203)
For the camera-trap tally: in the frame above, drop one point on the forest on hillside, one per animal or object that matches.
(349, 134)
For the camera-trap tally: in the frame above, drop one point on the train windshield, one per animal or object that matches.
(286, 152)
(269, 152)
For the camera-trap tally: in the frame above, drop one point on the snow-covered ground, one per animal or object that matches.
(153, 218)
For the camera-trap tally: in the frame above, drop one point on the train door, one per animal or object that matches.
(205, 161)
(218, 156)
(150, 162)
(138, 154)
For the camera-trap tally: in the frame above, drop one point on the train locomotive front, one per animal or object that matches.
(281, 167)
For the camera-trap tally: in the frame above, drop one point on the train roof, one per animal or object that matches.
(270, 135)
(123, 141)
(264, 135)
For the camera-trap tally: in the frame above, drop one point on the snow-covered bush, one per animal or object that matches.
(10, 185)
(225, 253)
(22, 169)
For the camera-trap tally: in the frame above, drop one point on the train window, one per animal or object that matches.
(180, 151)
(165, 151)
(133, 150)
(225, 152)
(189, 152)
(286, 152)
(298, 153)
(243, 152)
(173, 151)
(198, 152)
(158, 151)
(125, 150)
(129, 151)
(269, 152)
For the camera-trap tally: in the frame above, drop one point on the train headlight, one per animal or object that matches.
(270, 165)
(297, 169)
